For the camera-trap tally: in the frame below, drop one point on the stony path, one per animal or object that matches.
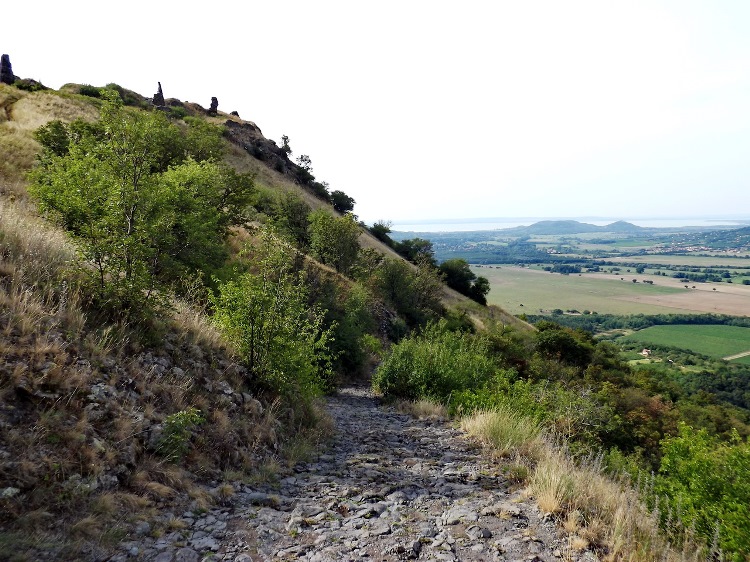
(389, 488)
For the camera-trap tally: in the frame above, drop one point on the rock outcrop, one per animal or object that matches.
(158, 100)
(6, 70)
(214, 106)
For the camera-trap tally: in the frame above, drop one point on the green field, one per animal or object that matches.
(714, 341)
(519, 290)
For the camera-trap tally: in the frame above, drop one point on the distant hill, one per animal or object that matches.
(571, 227)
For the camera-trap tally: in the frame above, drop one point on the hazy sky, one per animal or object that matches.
(432, 109)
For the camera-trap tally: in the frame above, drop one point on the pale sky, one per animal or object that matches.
(433, 109)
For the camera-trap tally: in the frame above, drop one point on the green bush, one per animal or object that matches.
(177, 112)
(435, 364)
(90, 91)
(177, 431)
(334, 240)
(267, 317)
(707, 486)
(142, 212)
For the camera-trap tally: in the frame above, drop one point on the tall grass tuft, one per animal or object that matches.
(596, 510)
(504, 431)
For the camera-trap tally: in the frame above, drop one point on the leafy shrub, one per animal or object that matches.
(334, 240)
(128, 97)
(177, 431)
(266, 315)
(414, 293)
(707, 485)
(341, 201)
(29, 85)
(141, 213)
(177, 112)
(434, 364)
(90, 91)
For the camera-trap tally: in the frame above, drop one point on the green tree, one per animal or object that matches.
(285, 145)
(417, 250)
(381, 230)
(140, 212)
(459, 276)
(479, 290)
(291, 217)
(342, 202)
(266, 315)
(413, 291)
(204, 140)
(334, 240)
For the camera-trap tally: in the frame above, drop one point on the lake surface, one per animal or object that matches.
(464, 225)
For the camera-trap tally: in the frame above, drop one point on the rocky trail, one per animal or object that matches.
(389, 487)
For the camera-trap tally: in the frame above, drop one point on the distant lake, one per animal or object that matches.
(464, 225)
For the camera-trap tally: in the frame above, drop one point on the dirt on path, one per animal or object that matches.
(736, 356)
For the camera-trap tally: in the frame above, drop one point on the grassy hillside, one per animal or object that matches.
(116, 398)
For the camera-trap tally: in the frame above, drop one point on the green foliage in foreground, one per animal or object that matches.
(265, 314)
(706, 484)
(435, 364)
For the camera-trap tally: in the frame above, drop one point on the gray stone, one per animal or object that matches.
(205, 543)
(186, 555)
(142, 528)
(212, 110)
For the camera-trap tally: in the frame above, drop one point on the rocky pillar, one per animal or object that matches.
(159, 97)
(214, 106)
(6, 70)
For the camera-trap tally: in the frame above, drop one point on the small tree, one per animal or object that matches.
(380, 230)
(285, 145)
(266, 315)
(341, 201)
(334, 240)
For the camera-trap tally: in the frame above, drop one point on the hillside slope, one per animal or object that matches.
(103, 421)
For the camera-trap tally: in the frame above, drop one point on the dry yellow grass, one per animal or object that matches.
(592, 508)
(505, 432)
(423, 409)
(21, 113)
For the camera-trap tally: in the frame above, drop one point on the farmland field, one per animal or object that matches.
(519, 290)
(692, 261)
(711, 340)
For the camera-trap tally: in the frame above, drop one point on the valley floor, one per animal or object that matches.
(389, 487)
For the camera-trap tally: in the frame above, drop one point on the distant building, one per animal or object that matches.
(646, 352)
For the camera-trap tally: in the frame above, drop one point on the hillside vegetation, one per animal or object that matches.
(172, 307)
(177, 294)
